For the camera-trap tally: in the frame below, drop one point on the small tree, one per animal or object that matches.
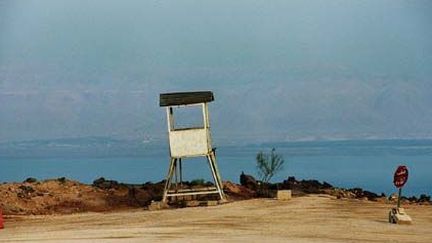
(268, 165)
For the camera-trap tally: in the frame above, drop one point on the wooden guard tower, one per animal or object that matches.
(189, 142)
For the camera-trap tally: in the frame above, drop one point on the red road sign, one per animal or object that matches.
(400, 176)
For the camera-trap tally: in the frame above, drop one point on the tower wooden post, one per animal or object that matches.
(189, 142)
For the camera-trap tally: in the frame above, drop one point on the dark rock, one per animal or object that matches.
(304, 186)
(197, 182)
(61, 179)
(155, 190)
(139, 196)
(105, 184)
(288, 184)
(26, 189)
(326, 185)
(30, 180)
(357, 191)
(413, 199)
(25, 192)
(311, 186)
(370, 195)
(248, 181)
(360, 193)
(424, 198)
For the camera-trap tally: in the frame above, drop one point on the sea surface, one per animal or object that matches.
(366, 164)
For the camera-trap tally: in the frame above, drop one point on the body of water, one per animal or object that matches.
(366, 164)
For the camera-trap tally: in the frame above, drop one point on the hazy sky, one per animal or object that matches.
(280, 70)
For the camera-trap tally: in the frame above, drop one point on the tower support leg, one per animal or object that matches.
(216, 177)
(168, 179)
(181, 172)
(213, 156)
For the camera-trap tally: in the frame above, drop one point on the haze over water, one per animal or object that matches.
(281, 71)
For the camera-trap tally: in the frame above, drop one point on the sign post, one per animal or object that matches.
(397, 215)
(399, 179)
(399, 197)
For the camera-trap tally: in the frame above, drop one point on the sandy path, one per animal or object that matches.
(304, 219)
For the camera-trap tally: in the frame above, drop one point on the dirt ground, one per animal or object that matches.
(318, 218)
(64, 196)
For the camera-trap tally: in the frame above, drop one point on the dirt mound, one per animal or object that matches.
(63, 196)
(68, 196)
(48, 196)
(238, 192)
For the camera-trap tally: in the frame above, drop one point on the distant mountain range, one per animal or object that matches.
(112, 147)
(87, 146)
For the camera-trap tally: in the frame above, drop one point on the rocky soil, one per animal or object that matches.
(68, 196)
(64, 196)
(304, 187)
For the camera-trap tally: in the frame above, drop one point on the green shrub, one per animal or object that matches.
(268, 165)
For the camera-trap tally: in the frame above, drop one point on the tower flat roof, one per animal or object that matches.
(185, 98)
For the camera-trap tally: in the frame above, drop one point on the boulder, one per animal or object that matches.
(248, 181)
(30, 180)
(140, 197)
(304, 186)
(326, 185)
(363, 194)
(371, 195)
(25, 192)
(311, 186)
(424, 198)
(105, 184)
(291, 179)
